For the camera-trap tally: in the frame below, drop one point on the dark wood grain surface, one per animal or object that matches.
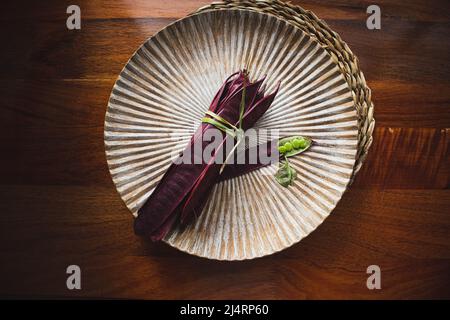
(58, 205)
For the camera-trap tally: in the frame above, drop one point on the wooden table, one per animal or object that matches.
(59, 207)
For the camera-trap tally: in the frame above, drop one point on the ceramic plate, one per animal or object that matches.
(167, 85)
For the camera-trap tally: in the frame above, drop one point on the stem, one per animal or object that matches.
(229, 155)
(242, 106)
(288, 167)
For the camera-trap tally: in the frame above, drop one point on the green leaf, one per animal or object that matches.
(285, 174)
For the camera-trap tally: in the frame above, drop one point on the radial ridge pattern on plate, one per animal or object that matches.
(168, 84)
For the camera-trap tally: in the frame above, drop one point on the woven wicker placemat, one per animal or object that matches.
(308, 22)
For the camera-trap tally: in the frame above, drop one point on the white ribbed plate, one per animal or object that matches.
(168, 84)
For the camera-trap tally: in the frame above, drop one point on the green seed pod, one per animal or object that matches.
(294, 145)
